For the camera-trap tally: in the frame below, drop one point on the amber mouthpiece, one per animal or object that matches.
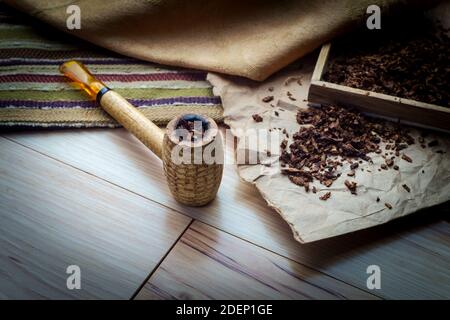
(78, 73)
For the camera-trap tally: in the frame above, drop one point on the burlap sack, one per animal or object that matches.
(250, 38)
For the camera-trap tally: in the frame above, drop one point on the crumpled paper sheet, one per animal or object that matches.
(310, 218)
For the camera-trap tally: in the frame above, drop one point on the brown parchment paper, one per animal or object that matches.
(310, 218)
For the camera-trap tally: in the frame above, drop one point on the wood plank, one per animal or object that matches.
(321, 62)
(53, 216)
(117, 157)
(209, 264)
(414, 112)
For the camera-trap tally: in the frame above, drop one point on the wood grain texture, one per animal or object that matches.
(322, 59)
(53, 216)
(134, 121)
(411, 269)
(209, 264)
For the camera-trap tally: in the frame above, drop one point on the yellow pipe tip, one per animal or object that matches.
(80, 74)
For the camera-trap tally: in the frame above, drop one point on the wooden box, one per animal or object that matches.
(398, 109)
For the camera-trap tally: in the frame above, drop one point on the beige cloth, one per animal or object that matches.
(250, 38)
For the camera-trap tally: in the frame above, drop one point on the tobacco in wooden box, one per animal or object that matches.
(406, 61)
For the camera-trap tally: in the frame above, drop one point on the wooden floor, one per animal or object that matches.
(97, 198)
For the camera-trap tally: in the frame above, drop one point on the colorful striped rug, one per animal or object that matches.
(34, 94)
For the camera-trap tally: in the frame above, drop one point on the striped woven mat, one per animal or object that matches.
(34, 94)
